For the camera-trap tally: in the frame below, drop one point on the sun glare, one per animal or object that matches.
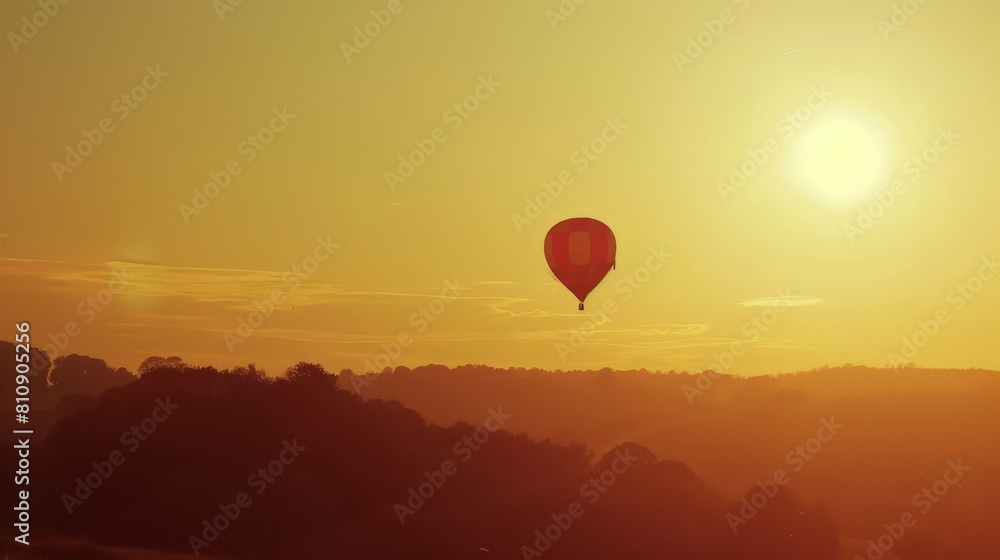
(842, 160)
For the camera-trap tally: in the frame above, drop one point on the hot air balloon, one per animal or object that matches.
(580, 252)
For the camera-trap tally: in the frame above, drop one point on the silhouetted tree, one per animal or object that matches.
(82, 375)
(153, 362)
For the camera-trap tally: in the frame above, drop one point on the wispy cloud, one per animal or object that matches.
(782, 301)
(665, 329)
(185, 310)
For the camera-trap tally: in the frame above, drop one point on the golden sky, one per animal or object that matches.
(831, 250)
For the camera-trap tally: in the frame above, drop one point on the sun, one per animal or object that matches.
(843, 160)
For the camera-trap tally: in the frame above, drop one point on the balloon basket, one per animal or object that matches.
(581, 307)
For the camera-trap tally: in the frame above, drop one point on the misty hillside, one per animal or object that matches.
(901, 429)
(353, 478)
(592, 464)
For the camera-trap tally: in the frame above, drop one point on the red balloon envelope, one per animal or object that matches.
(580, 252)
